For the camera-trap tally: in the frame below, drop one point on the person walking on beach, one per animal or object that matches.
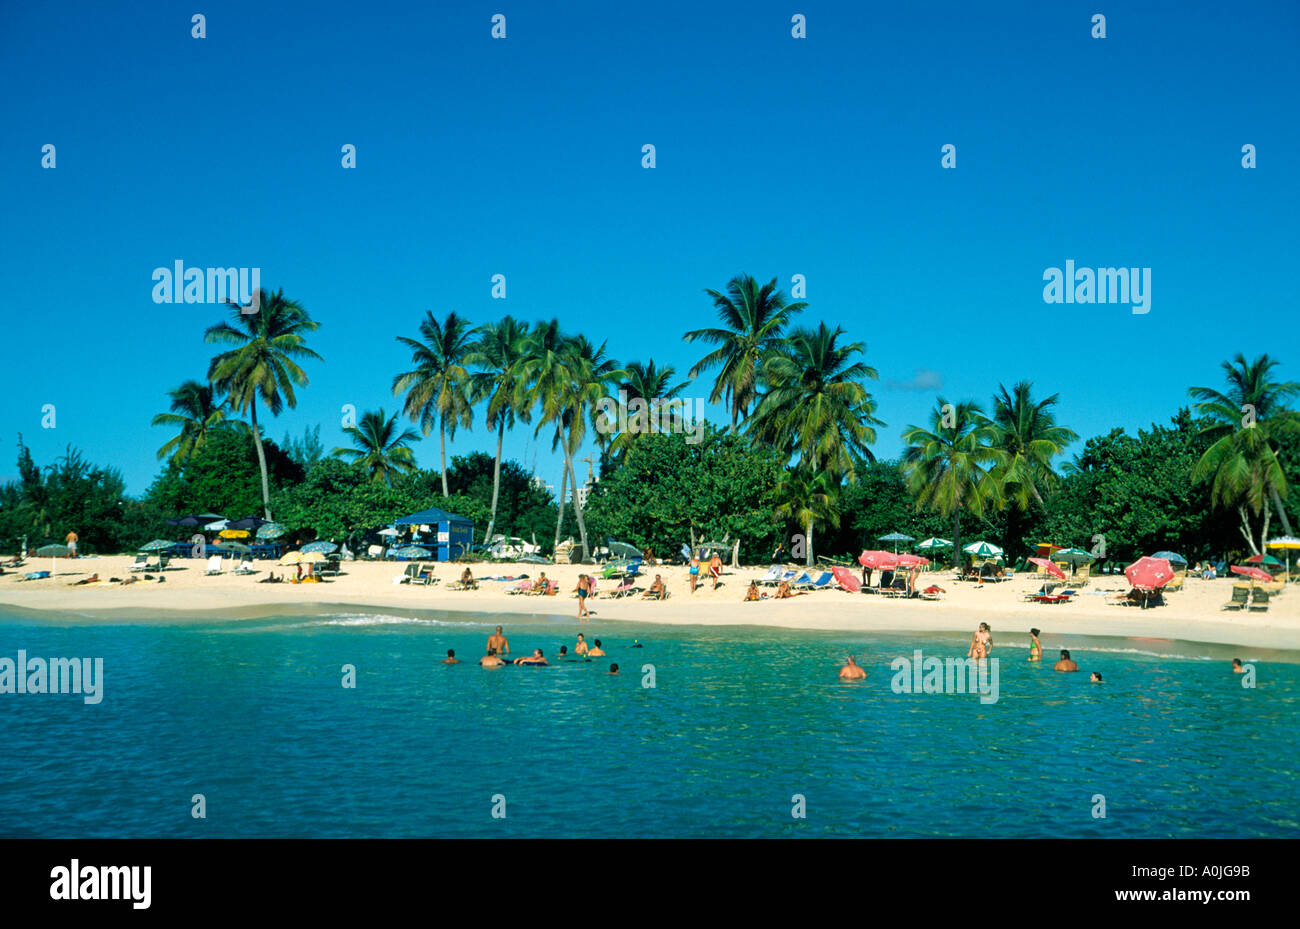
(1065, 664)
(911, 581)
(715, 568)
(498, 643)
(72, 543)
(584, 588)
(852, 671)
(694, 572)
(1035, 646)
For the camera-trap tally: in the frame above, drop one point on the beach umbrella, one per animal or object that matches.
(234, 533)
(907, 561)
(412, 551)
(983, 550)
(248, 523)
(270, 531)
(1255, 574)
(877, 559)
(896, 537)
(1175, 559)
(51, 552)
(313, 557)
(847, 579)
(291, 558)
(157, 545)
(1049, 566)
(1262, 559)
(328, 548)
(1290, 543)
(931, 544)
(1045, 549)
(389, 531)
(1073, 556)
(1149, 573)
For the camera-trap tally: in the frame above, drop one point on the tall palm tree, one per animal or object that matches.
(499, 355)
(542, 379)
(654, 388)
(807, 497)
(1025, 439)
(438, 387)
(197, 411)
(752, 318)
(1241, 462)
(263, 363)
(948, 465)
(379, 446)
(816, 405)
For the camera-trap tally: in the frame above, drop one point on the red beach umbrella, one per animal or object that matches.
(1255, 574)
(907, 560)
(847, 579)
(1050, 567)
(1149, 573)
(877, 559)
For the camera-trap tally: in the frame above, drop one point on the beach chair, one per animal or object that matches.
(1240, 598)
(772, 577)
(416, 574)
(823, 582)
(522, 587)
(245, 567)
(1259, 599)
(626, 589)
(804, 580)
(141, 563)
(214, 566)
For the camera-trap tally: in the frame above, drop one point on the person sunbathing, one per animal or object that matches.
(93, 579)
(752, 593)
(467, 580)
(783, 591)
(657, 590)
(541, 585)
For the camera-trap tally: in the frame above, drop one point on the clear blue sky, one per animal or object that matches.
(522, 156)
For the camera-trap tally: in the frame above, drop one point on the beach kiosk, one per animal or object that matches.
(445, 534)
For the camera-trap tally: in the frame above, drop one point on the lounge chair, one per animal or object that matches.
(804, 580)
(416, 574)
(35, 576)
(772, 577)
(1259, 599)
(823, 582)
(626, 589)
(522, 587)
(1240, 598)
(141, 563)
(245, 567)
(214, 566)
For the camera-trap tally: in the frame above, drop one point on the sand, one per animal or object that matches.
(1194, 613)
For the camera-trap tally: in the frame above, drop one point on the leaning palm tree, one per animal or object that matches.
(807, 497)
(816, 405)
(752, 318)
(1241, 463)
(380, 446)
(948, 465)
(543, 377)
(197, 411)
(499, 355)
(438, 387)
(651, 390)
(263, 363)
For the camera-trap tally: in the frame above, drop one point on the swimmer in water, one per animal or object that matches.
(499, 643)
(490, 660)
(581, 647)
(1035, 646)
(564, 653)
(1236, 666)
(1096, 678)
(451, 657)
(535, 658)
(1065, 664)
(852, 671)
(613, 669)
(596, 652)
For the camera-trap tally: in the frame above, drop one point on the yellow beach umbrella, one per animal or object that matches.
(234, 533)
(1290, 543)
(291, 558)
(312, 557)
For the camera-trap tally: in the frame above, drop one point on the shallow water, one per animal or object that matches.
(252, 715)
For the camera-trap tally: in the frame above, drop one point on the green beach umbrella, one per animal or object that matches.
(271, 531)
(157, 545)
(52, 552)
(983, 549)
(932, 543)
(1072, 556)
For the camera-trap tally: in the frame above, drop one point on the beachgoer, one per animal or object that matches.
(564, 653)
(596, 651)
(778, 553)
(542, 584)
(1065, 664)
(981, 644)
(581, 647)
(499, 643)
(451, 657)
(752, 593)
(783, 591)
(694, 572)
(657, 590)
(584, 590)
(715, 568)
(649, 557)
(85, 580)
(1096, 678)
(1237, 666)
(467, 579)
(852, 671)
(911, 580)
(535, 658)
(613, 669)
(490, 660)
(72, 543)
(1035, 646)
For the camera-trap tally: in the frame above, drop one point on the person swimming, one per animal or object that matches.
(1237, 667)
(563, 653)
(1096, 678)
(535, 658)
(613, 669)
(852, 671)
(581, 647)
(1065, 664)
(596, 651)
(451, 657)
(1035, 646)
(490, 660)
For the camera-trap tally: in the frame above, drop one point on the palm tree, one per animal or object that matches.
(947, 465)
(816, 404)
(807, 497)
(438, 388)
(654, 388)
(499, 354)
(198, 413)
(1025, 439)
(379, 447)
(753, 318)
(542, 379)
(262, 363)
(1241, 462)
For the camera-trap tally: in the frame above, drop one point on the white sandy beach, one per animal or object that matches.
(1194, 613)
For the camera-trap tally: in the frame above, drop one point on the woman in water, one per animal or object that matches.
(1035, 646)
(581, 647)
(981, 643)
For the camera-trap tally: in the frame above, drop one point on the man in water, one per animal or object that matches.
(581, 648)
(596, 652)
(1237, 667)
(1096, 678)
(535, 658)
(451, 657)
(499, 643)
(490, 660)
(1065, 664)
(613, 669)
(852, 671)
(564, 653)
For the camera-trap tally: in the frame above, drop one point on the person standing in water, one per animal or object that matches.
(596, 652)
(1035, 646)
(981, 643)
(498, 643)
(852, 671)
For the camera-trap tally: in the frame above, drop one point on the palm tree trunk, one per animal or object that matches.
(559, 519)
(496, 483)
(1245, 530)
(1281, 511)
(577, 504)
(261, 459)
(442, 439)
(808, 555)
(956, 537)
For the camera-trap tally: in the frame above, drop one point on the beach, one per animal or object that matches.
(1194, 613)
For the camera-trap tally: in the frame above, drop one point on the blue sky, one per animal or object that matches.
(522, 156)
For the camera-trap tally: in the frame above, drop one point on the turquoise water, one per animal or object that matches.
(252, 715)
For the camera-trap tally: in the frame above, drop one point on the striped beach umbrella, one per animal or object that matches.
(270, 531)
(326, 548)
(932, 544)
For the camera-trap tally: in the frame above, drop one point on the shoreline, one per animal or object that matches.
(1194, 614)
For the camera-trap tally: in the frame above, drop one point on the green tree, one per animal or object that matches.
(263, 363)
(379, 447)
(648, 396)
(196, 410)
(499, 354)
(807, 498)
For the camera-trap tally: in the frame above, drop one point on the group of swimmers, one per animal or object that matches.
(498, 645)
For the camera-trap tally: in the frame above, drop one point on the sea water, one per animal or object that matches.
(245, 728)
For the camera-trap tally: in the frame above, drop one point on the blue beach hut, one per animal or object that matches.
(448, 536)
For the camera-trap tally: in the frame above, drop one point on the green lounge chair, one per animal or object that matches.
(1240, 597)
(1260, 599)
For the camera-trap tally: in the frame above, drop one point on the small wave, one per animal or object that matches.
(1142, 651)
